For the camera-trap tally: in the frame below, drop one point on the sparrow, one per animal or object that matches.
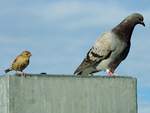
(20, 62)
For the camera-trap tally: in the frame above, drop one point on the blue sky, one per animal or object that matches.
(59, 34)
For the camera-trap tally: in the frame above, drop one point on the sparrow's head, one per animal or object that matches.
(135, 19)
(26, 53)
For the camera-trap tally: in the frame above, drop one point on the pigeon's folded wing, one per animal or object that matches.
(100, 51)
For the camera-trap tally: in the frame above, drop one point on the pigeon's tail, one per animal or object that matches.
(87, 72)
(7, 70)
(80, 69)
(85, 68)
(76, 72)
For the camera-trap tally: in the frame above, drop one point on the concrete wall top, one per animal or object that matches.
(67, 94)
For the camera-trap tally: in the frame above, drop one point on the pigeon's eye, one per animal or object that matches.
(140, 19)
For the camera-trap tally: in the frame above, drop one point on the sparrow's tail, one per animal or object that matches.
(7, 70)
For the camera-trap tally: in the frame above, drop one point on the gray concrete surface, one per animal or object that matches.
(67, 94)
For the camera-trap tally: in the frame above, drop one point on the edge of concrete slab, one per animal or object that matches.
(72, 76)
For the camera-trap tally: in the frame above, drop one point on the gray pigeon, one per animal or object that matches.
(111, 48)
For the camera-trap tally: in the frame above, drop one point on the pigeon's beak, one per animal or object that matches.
(142, 23)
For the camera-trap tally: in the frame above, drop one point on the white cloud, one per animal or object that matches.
(68, 15)
(79, 14)
(76, 15)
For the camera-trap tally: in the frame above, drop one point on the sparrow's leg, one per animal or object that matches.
(24, 74)
(20, 73)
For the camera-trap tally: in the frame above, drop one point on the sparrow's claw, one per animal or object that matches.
(21, 74)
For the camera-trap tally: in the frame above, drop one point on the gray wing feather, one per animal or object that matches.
(101, 50)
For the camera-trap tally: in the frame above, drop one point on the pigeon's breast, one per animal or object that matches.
(118, 47)
(121, 49)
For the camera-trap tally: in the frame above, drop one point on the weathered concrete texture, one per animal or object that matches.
(4, 95)
(66, 94)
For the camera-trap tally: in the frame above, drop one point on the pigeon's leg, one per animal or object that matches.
(109, 73)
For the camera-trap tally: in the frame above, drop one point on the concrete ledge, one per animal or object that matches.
(67, 94)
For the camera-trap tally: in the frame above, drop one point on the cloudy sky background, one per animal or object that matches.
(59, 34)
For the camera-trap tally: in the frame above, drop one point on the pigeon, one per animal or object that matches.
(20, 63)
(110, 49)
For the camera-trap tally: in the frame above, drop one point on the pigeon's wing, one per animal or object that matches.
(100, 51)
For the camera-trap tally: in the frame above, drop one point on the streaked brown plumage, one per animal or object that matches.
(21, 62)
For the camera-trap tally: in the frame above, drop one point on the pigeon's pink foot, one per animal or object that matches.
(109, 73)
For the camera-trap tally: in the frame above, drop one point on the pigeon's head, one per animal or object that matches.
(135, 19)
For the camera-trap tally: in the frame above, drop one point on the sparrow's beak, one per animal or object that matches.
(30, 54)
(142, 23)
